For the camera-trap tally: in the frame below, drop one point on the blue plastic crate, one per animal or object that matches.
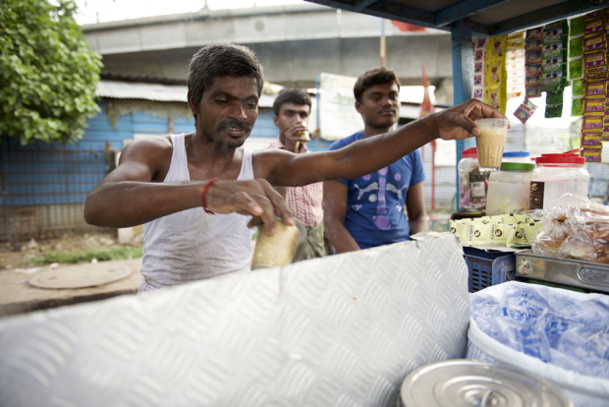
(488, 268)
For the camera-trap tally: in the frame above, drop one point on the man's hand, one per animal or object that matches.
(254, 197)
(296, 135)
(457, 122)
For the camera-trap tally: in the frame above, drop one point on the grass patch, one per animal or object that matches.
(73, 257)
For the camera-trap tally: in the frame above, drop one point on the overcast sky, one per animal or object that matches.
(92, 11)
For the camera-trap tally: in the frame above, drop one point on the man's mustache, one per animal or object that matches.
(234, 124)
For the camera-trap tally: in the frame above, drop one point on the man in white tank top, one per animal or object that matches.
(198, 195)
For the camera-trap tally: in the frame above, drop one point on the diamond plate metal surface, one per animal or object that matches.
(343, 330)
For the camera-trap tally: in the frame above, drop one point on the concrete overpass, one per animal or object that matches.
(294, 43)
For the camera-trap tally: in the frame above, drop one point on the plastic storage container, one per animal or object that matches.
(487, 268)
(508, 189)
(517, 157)
(556, 175)
(472, 182)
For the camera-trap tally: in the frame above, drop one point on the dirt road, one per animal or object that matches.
(21, 290)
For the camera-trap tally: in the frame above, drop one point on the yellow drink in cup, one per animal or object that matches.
(490, 143)
(278, 249)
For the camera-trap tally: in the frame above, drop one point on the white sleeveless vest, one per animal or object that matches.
(192, 245)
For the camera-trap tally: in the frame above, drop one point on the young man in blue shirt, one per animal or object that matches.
(386, 206)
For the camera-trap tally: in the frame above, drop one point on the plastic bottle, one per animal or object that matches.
(508, 189)
(472, 183)
(556, 175)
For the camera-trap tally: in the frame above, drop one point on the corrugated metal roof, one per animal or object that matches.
(154, 92)
(146, 91)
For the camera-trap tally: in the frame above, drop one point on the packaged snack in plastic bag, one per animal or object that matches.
(575, 228)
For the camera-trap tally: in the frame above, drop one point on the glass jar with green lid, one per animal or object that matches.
(508, 188)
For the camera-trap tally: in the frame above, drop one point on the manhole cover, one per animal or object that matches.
(80, 276)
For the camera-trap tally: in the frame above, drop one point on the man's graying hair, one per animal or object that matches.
(216, 60)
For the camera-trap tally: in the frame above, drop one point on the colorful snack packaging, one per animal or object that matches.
(553, 111)
(591, 138)
(496, 47)
(552, 81)
(578, 88)
(533, 57)
(478, 79)
(555, 98)
(525, 110)
(593, 24)
(533, 81)
(533, 69)
(592, 76)
(594, 107)
(555, 32)
(534, 92)
(592, 123)
(553, 50)
(523, 234)
(595, 42)
(516, 40)
(494, 72)
(592, 153)
(552, 65)
(480, 43)
(597, 89)
(554, 104)
(534, 34)
(595, 60)
(577, 107)
(577, 26)
(532, 45)
(478, 67)
(492, 96)
(576, 69)
(576, 47)
(511, 230)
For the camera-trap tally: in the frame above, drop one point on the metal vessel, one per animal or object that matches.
(465, 383)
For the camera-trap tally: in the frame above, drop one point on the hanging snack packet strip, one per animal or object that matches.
(514, 64)
(595, 64)
(575, 66)
(479, 67)
(533, 62)
(553, 57)
(495, 74)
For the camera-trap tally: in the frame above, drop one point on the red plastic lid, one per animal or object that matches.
(470, 153)
(570, 157)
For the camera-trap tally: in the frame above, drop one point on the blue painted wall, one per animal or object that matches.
(55, 174)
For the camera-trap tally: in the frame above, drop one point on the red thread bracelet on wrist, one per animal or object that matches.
(203, 198)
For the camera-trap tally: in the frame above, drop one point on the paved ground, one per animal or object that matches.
(18, 295)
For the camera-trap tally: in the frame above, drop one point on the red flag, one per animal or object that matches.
(408, 27)
(426, 106)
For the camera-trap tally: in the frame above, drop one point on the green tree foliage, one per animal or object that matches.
(48, 73)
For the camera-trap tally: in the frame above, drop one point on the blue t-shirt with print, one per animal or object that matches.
(375, 204)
